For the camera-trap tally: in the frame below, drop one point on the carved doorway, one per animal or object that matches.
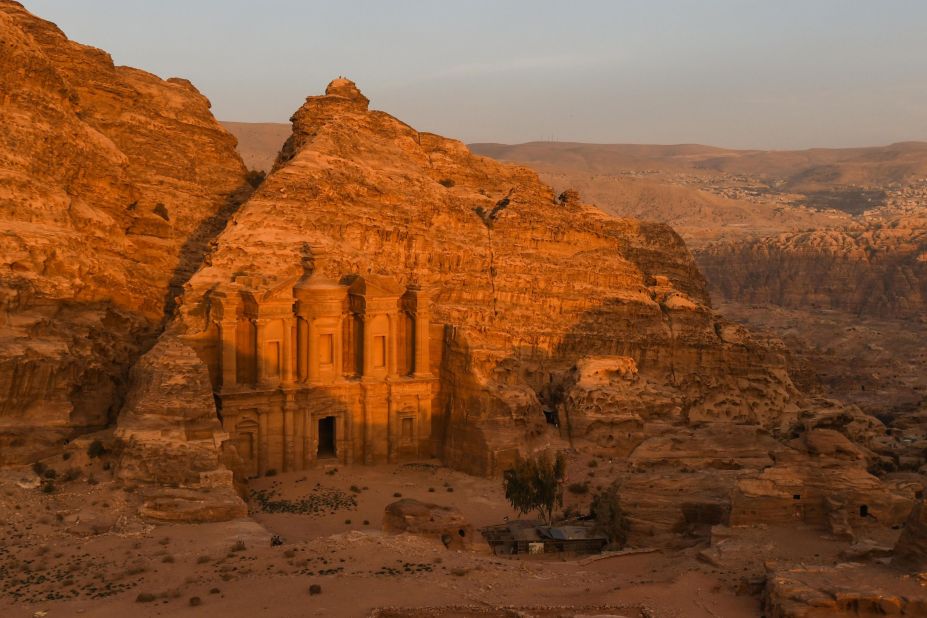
(247, 431)
(326, 438)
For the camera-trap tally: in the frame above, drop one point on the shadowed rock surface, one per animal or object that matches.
(111, 183)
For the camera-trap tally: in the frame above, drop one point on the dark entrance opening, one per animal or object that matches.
(864, 510)
(326, 437)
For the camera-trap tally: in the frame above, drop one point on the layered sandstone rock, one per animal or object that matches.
(911, 548)
(443, 523)
(847, 589)
(112, 181)
(877, 269)
(522, 286)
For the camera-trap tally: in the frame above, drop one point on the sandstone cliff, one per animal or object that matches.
(111, 183)
(877, 269)
(522, 285)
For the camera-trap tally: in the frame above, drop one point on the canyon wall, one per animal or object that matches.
(877, 269)
(112, 182)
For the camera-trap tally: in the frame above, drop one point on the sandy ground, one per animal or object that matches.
(51, 563)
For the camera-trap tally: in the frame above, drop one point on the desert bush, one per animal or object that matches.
(255, 177)
(239, 546)
(609, 517)
(578, 488)
(536, 484)
(355, 489)
(570, 196)
(145, 597)
(271, 472)
(39, 468)
(95, 449)
(71, 474)
(48, 487)
(195, 601)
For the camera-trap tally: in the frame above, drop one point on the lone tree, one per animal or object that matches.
(536, 484)
(610, 518)
(570, 196)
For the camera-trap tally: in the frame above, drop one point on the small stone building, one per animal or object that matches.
(316, 369)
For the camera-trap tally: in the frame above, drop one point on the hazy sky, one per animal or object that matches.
(739, 73)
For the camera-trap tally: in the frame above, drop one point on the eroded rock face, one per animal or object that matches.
(911, 549)
(522, 286)
(172, 439)
(877, 269)
(443, 523)
(111, 183)
(847, 589)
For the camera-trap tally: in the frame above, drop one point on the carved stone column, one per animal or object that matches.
(289, 434)
(391, 437)
(368, 430)
(313, 357)
(260, 361)
(422, 360)
(366, 350)
(287, 360)
(391, 345)
(309, 438)
(338, 343)
(302, 349)
(263, 443)
(299, 438)
(416, 302)
(228, 358)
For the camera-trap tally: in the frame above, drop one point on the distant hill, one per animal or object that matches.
(258, 142)
(799, 171)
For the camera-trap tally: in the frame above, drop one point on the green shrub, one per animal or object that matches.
(255, 177)
(161, 210)
(536, 484)
(578, 488)
(95, 449)
(609, 517)
(71, 474)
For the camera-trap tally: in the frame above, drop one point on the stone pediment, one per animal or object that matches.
(376, 286)
(316, 281)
